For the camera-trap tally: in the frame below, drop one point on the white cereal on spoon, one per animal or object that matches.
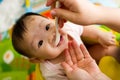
(57, 26)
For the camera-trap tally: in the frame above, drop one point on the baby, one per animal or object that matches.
(34, 36)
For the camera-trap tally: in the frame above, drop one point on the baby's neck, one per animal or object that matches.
(58, 59)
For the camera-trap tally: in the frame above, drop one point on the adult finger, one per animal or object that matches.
(64, 2)
(68, 58)
(66, 67)
(72, 53)
(62, 31)
(50, 2)
(52, 6)
(61, 22)
(85, 51)
(66, 14)
(77, 50)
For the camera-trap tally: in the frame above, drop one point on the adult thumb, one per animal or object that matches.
(66, 14)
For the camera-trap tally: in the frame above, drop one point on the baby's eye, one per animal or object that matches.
(40, 43)
(47, 27)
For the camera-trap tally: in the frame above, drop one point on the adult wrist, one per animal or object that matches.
(101, 76)
(99, 16)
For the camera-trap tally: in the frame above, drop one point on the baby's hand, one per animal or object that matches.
(106, 39)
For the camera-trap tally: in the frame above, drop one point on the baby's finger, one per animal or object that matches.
(105, 45)
(110, 42)
(113, 36)
(113, 42)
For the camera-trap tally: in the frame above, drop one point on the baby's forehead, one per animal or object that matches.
(31, 25)
(35, 18)
(30, 19)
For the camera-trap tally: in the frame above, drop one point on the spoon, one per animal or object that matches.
(57, 26)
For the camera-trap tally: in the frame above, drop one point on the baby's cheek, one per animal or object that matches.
(53, 53)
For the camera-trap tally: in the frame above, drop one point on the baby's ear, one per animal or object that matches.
(35, 60)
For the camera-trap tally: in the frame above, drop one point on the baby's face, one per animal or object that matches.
(40, 38)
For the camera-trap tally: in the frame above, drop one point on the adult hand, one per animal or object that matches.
(82, 58)
(77, 11)
(72, 70)
(85, 13)
(78, 61)
(75, 73)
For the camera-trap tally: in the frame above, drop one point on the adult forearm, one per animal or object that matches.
(109, 17)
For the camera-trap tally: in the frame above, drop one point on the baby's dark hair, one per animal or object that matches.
(18, 32)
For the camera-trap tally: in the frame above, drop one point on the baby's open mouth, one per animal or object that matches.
(57, 38)
(59, 41)
(61, 38)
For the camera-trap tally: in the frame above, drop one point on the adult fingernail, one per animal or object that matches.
(53, 13)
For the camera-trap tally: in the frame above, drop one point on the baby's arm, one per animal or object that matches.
(95, 35)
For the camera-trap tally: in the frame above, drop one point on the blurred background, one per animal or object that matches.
(12, 65)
